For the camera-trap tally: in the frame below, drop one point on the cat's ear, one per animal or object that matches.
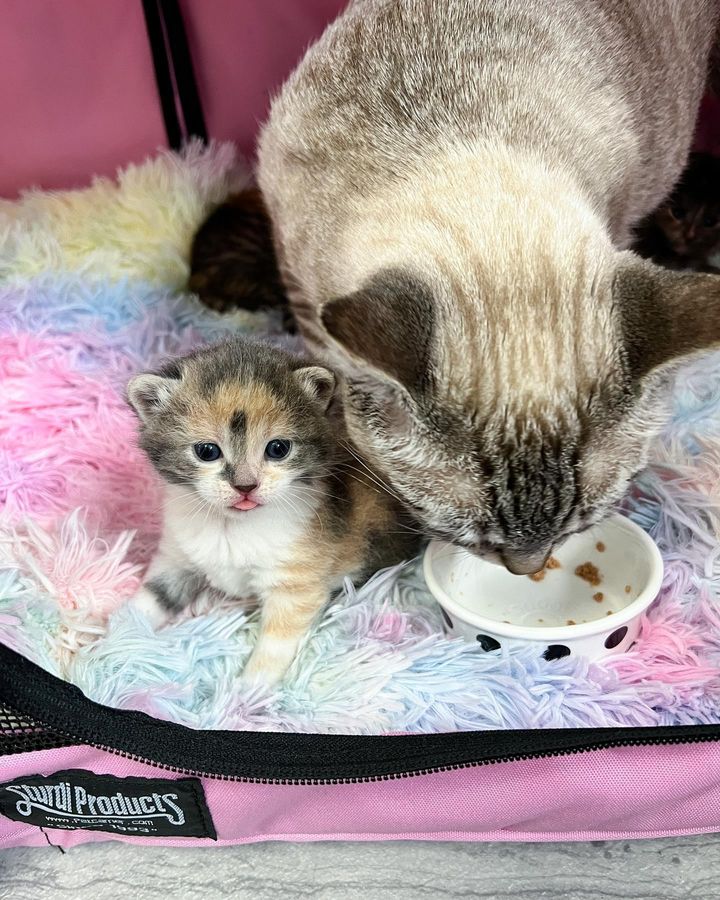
(148, 394)
(385, 329)
(665, 314)
(318, 383)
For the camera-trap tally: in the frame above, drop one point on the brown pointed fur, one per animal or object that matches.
(453, 186)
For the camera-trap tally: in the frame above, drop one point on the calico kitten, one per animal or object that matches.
(453, 187)
(263, 497)
(232, 262)
(685, 230)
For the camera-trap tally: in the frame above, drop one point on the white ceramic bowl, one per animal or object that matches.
(562, 613)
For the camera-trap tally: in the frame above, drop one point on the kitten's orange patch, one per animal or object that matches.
(265, 414)
(257, 402)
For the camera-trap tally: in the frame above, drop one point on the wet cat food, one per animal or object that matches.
(590, 573)
(552, 563)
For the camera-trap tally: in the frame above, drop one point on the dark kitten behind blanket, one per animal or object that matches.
(685, 230)
(233, 260)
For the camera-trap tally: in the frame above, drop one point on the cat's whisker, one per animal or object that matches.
(191, 510)
(379, 485)
(312, 508)
(325, 493)
(295, 509)
(371, 473)
(364, 481)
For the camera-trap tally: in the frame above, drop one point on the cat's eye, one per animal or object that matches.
(677, 212)
(277, 449)
(709, 220)
(207, 451)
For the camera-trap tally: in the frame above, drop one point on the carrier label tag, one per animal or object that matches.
(77, 799)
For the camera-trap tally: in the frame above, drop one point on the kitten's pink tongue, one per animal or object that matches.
(244, 505)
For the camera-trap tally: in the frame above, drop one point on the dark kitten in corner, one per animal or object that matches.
(685, 230)
(233, 263)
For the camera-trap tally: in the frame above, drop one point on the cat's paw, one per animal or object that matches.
(146, 602)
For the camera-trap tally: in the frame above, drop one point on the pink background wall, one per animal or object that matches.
(77, 88)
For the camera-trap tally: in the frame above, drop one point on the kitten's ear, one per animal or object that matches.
(665, 314)
(386, 327)
(318, 383)
(148, 394)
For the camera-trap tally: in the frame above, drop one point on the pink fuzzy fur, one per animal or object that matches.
(59, 452)
(74, 487)
(79, 571)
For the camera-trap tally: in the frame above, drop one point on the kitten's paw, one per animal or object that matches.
(264, 670)
(146, 602)
(217, 301)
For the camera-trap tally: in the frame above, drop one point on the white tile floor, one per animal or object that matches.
(641, 870)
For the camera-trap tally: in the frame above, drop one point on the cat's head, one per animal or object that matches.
(238, 425)
(514, 424)
(690, 218)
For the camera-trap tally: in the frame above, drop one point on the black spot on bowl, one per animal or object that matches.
(446, 617)
(617, 637)
(556, 651)
(487, 643)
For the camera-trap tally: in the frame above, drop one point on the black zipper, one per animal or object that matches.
(294, 759)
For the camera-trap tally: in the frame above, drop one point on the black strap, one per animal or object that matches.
(185, 82)
(34, 702)
(174, 74)
(163, 76)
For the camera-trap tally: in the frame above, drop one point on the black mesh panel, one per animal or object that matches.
(19, 734)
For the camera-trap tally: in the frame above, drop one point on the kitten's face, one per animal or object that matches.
(692, 229)
(690, 219)
(236, 432)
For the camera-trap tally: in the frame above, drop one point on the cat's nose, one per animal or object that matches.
(245, 488)
(524, 563)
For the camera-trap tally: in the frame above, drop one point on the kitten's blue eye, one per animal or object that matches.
(207, 452)
(277, 449)
(709, 220)
(677, 212)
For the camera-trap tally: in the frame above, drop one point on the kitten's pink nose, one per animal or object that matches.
(245, 488)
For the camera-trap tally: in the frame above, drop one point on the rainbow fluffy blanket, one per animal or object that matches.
(91, 289)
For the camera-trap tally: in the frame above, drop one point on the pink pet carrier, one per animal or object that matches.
(89, 86)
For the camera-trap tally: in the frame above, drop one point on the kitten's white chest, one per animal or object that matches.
(242, 555)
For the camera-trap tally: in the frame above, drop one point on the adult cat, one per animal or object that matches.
(453, 185)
